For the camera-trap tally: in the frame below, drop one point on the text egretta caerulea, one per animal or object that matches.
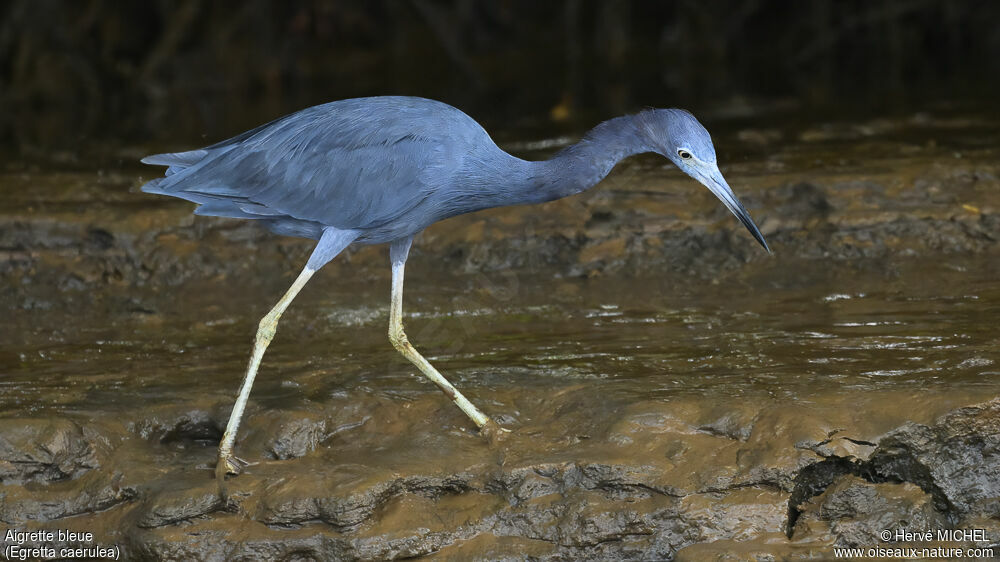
(382, 169)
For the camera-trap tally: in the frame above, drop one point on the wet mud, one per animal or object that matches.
(673, 392)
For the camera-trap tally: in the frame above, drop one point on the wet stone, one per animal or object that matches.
(853, 512)
(289, 434)
(740, 514)
(938, 457)
(91, 493)
(167, 424)
(174, 504)
(43, 450)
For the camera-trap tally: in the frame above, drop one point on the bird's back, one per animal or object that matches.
(363, 164)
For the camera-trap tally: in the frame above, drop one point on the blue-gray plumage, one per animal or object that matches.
(376, 170)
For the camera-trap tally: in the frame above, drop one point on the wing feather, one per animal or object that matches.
(352, 164)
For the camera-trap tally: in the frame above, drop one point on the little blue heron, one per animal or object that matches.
(382, 169)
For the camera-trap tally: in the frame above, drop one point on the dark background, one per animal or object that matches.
(78, 72)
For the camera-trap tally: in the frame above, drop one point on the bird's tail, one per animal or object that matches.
(175, 161)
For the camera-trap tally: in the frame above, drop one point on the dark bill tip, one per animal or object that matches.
(744, 217)
(721, 189)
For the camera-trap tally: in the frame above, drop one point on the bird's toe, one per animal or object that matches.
(493, 432)
(229, 465)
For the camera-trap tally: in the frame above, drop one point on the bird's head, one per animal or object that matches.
(677, 135)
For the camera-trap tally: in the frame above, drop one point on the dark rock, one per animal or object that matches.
(854, 511)
(173, 503)
(43, 450)
(957, 459)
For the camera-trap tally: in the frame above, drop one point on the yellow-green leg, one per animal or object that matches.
(398, 253)
(331, 243)
(228, 464)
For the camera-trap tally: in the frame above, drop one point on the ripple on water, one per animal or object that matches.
(619, 335)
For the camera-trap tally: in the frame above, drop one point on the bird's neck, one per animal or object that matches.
(581, 166)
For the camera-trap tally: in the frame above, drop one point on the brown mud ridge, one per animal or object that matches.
(356, 472)
(683, 478)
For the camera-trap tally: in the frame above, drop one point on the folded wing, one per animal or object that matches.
(349, 164)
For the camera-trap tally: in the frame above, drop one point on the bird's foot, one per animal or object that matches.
(229, 464)
(493, 433)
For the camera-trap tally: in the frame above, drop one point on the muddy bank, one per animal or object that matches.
(642, 480)
(673, 391)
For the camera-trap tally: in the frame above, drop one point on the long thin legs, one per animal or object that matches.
(265, 332)
(330, 244)
(398, 252)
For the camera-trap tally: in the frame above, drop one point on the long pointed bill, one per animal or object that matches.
(717, 185)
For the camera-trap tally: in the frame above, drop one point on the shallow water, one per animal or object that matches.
(770, 332)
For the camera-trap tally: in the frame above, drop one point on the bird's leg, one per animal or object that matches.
(397, 336)
(228, 464)
(331, 243)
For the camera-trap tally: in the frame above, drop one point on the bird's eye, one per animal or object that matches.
(684, 154)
